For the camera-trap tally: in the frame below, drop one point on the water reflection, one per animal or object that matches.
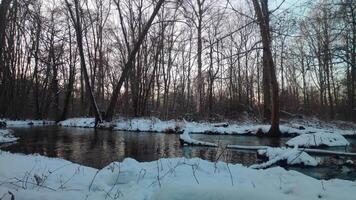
(95, 148)
(98, 148)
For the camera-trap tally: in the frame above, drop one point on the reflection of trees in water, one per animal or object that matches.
(275, 142)
(167, 146)
(151, 146)
(245, 157)
(97, 148)
(36, 140)
(227, 155)
(206, 153)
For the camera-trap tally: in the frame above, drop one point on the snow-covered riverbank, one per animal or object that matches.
(26, 123)
(178, 126)
(176, 178)
(308, 135)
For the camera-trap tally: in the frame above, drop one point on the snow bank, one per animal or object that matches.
(25, 123)
(157, 125)
(232, 129)
(176, 179)
(178, 126)
(292, 156)
(314, 125)
(78, 122)
(6, 136)
(298, 127)
(172, 126)
(318, 139)
(253, 128)
(147, 125)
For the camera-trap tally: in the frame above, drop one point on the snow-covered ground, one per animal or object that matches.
(6, 136)
(156, 125)
(25, 123)
(174, 179)
(147, 125)
(78, 122)
(296, 126)
(318, 139)
(292, 156)
(253, 128)
(314, 125)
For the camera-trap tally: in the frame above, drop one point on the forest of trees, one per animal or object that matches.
(200, 59)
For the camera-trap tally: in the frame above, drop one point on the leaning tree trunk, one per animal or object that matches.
(78, 27)
(266, 43)
(111, 108)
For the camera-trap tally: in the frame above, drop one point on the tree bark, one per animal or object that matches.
(199, 59)
(266, 42)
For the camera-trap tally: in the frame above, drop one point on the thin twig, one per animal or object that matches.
(194, 169)
(231, 178)
(92, 181)
(158, 179)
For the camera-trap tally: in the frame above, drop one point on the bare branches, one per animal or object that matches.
(195, 56)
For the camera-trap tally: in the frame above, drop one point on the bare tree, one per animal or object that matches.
(111, 108)
(77, 22)
(268, 63)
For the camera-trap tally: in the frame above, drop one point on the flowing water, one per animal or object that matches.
(98, 148)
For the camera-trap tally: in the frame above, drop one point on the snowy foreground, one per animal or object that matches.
(174, 179)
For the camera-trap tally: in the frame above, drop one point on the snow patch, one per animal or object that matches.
(318, 139)
(26, 123)
(78, 122)
(147, 125)
(292, 156)
(6, 136)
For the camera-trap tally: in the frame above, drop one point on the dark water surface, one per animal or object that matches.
(98, 148)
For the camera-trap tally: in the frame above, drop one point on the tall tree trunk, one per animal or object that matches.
(36, 71)
(266, 76)
(199, 59)
(266, 42)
